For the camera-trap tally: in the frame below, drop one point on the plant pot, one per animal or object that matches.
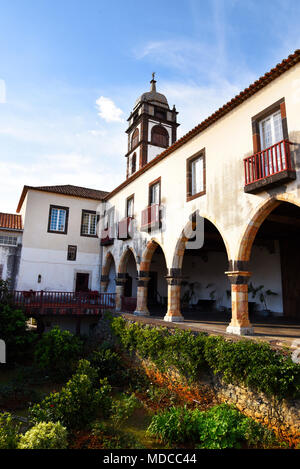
(263, 313)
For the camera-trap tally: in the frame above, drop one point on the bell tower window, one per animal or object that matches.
(135, 138)
(160, 136)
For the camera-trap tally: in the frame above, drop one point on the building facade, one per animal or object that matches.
(11, 230)
(61, 249)
(216, 215)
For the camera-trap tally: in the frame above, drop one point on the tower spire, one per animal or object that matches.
(153, 83)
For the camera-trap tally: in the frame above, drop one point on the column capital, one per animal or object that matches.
(173, 280)
(238, 277)
(120, 279)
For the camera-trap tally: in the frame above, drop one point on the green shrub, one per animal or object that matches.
(243, 362)
(77, 402)
(13, 328)
(9, 435)
(221, 427)
(108, 363)
(45, 435)
(58, 351)
(122, 409)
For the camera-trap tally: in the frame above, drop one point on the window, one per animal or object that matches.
(8, 240)
(196, 175)
(1, 271)
(270, 129)
(130, 207)
(154, 193)
(72, 252)
(160, 136)
(135, 138)
(89, 223)
(269, 126)
(58, 219)
(133, 163)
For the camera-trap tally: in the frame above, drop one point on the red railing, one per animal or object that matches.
(124, 228)
(150, 217)
(63, 303)
(268, 162)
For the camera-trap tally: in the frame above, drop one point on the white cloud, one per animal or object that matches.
(108, 110)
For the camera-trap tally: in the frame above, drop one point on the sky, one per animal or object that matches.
(71, 70)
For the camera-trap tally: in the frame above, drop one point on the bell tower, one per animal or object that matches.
(152, 127)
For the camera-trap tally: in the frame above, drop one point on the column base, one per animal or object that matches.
(173, 318)
(141, 313)
(240, 330)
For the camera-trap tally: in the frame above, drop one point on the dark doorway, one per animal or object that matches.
(128, 286)
(152, 289)
(82, 282)
(290, 261)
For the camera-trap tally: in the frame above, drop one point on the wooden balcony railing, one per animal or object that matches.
(150, 217)
(63, 303)
(269, 166)
(124, 228)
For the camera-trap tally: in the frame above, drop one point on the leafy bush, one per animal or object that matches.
(45, 435)
(221, 427)
(122, 409)
(58, 351)
(108, 363)
(13, 328)
(245, 362)
(9, 435)
(77, 402)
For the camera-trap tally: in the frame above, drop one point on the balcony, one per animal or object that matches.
(269, 167)
(63, 303)
(124, 228)
(150, 218)
(106, 238)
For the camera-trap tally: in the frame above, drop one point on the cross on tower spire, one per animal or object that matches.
(153, 82)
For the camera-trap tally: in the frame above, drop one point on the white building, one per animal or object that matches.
(61, 249)
(11, 230)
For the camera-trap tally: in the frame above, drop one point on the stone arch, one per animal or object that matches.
(148, 253)
(185, 236)
(124, 260)
(261, 213)
(109, 258)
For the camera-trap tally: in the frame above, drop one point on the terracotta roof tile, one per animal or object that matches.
(10, 221)
(67, 189)
(260, 83)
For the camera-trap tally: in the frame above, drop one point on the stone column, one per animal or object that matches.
(104, 283)
(240, 323)
(142, 295)
(174, 289)
(120, 283)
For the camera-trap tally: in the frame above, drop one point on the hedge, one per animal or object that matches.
(252, 364)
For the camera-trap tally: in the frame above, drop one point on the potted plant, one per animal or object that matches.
(262, 296)
(189, 293)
